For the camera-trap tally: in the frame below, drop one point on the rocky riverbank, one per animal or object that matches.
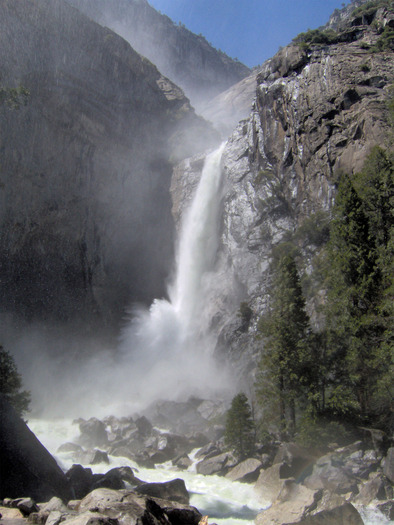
(328, 486)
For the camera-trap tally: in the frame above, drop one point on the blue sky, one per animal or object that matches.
(250, 30)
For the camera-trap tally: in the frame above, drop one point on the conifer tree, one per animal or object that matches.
(11, 383)
(356, 327)
(239, 434)
(286, 361)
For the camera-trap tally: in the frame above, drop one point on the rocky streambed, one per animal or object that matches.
(175, 453)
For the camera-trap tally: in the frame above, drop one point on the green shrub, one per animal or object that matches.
(385, 42)
(316, 36)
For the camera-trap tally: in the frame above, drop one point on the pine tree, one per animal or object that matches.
(11, 383)
(356, 328)
(239, 434)
(286, 361)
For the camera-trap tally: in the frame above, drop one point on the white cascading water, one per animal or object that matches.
(170, 344)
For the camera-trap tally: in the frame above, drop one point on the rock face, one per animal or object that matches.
(188, 59)
(318, 111)
(83, 165)
(27, 468)
(232, 105)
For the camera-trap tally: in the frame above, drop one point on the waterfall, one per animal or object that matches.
(170, 344)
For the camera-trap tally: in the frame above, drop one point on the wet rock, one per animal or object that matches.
(80, 479)
(183, 462)
(70, 448)
(247, 471)
(387, 509)
(208, 451)
(144, 426)
(93, 433)
(174, 490)
(93, 457)
(214, 465)
(375, 489)
(388, 468)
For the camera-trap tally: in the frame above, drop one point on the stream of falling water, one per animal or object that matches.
(170, 344)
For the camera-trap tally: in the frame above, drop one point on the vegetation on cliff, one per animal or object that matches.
(342, 372)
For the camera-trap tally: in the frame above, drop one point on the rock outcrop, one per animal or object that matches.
(188, 59)
(27, 468)
(85, 213)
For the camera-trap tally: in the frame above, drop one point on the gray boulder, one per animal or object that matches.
(375, 489)
(131, 507)
(270, 483)
(294, 459)
(93, 433)
(174, 490)
(327, 474)
(215, 465)
(246, 471)
(388, 468)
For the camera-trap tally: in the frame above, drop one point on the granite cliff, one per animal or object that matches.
(318, 110)
(85, 213)
(186, 58)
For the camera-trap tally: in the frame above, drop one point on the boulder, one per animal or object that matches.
(70, 448)
(100, 500)
(297, 504)
(246, 471)
(375, 489)
(81, 480)
(144, 426)
(344, 514)
(29, 468)
(327, 474)
(93, 433)
(270, 483)
(55, 517)
(126, 474)
(93, 457)
(11, 514)
(208, 450)
(388, 468)
(26, 505)
(90, 518)
(295, 460)
(131, 507)
(214, 465)
(111, 480)
(174, 490)
(292, 503)
(52, 512)
(183, 462)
